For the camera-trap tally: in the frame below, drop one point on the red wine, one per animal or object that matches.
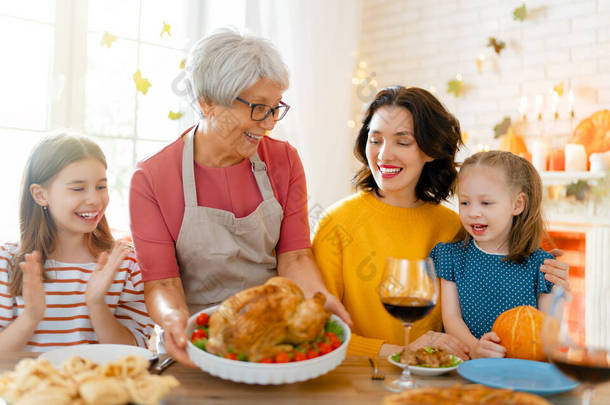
(590, 368)
(407, 309)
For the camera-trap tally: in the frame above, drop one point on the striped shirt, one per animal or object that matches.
(66, 320)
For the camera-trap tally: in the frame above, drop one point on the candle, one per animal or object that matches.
(555, 99)
(481, 147)
(523, 107)
(576, 157)
(557, 160)
(539, 106)
(539, 152)
(571, 103)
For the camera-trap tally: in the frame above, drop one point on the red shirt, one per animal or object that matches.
(156, 200)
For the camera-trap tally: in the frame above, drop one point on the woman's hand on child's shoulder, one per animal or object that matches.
(556, 271)
(488, 346)
(33, 291)
(102, 277)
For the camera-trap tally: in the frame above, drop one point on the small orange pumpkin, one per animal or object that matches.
(512, 142)
(519, 331)
(594, 132)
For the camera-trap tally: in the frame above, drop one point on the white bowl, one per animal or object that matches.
(97, 353)
(264, 373)
(423, 371)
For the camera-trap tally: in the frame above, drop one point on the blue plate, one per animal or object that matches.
(519, 375)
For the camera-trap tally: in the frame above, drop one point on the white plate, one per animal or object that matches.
(98, 353)
(424, 371)
(261, 373)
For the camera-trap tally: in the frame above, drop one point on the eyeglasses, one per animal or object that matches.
(260, 112)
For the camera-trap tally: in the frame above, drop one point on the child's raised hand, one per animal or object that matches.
(34, 299)
(488, 346)
(107, 266)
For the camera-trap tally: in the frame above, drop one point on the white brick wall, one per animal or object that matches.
(426, 43)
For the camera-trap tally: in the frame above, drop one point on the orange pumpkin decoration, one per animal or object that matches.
(512, 142)
(594, 133)
(519, 331)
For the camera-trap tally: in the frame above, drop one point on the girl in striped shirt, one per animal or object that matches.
(67, 282)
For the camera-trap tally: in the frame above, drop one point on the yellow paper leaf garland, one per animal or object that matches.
(174, 115)
(165, 30)
(455, 86)
(107, 39)
(558, 88)
(464, 136)
(496, 44)
(520, 13)
(480, 60)
(142, 84)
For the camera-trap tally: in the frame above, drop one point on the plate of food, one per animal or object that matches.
(427, 361)
(124, 380)
(97, 353)
(269, 334)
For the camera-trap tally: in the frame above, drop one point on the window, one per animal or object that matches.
(58, 73)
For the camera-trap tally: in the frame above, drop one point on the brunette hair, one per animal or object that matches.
(521, 177)
(37, 228)
(437, 133)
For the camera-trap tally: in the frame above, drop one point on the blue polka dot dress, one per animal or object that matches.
(487, 285)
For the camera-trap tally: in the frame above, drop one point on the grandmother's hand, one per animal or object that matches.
(174, 335)
(449, 343)
(557, 272)
(335, 306)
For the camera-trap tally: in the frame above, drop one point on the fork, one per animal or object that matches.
(376, 374)
(162, 366)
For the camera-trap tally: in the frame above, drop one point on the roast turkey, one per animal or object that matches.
(262, 321)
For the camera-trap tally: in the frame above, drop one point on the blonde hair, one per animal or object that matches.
(528, 227)
(36, 226)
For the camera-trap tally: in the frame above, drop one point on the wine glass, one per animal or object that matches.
(576, 347)
(408, 291)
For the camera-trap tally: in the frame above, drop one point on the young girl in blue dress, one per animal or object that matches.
(497, 266)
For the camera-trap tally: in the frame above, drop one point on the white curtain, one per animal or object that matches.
(319, 42)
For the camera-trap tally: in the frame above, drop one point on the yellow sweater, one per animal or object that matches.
(351, 244)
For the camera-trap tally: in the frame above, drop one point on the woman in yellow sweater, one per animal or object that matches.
(407, 145)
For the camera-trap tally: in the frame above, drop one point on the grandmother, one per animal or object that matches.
(224, 206)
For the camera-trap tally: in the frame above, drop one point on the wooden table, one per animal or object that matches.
(348, 384)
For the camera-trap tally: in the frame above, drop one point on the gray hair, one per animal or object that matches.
(222, 65)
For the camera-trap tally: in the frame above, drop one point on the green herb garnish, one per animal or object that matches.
(334, 327)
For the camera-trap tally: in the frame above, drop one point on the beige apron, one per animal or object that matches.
(218, 254)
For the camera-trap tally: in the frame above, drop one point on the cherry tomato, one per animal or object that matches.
(231, 356)
(332, 338)
(282, 357)
(311, 354)
(198, 334)
(266, 360)
(202, 319)
(335, 344)
(298, 356)
(324, 348)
